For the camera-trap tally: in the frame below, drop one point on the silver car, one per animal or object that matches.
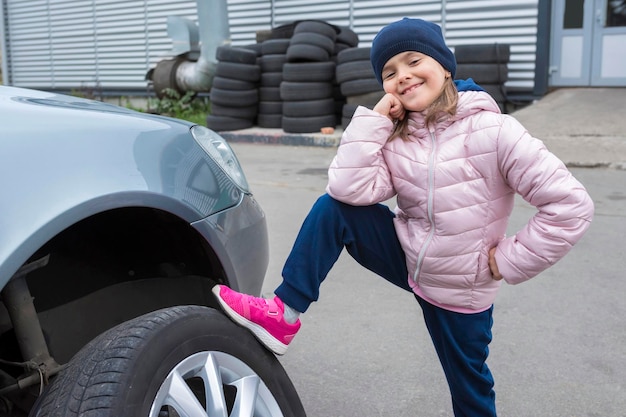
(114, 226)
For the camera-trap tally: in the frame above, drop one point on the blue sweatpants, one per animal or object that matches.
(369, 236)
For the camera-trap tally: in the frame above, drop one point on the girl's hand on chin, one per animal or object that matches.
(391, 107)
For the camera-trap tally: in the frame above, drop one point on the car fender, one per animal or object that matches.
(53, 175)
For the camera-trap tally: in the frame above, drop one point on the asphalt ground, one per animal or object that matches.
(559, 347)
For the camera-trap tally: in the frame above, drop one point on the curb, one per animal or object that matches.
(280, 137)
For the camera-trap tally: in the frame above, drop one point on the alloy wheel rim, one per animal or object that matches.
(213, 384)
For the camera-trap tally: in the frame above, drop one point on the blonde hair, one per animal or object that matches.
(445, 104)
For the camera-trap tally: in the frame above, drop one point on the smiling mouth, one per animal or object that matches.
(410, 89)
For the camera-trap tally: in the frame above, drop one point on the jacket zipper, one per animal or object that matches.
(429, 209)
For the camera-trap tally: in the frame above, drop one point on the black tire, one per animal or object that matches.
(234, 70)
(497, 91)
(347, 36)
(354, 70)
(369, 99)
(318, 27)
(309, 71)
(308, 124)
(358, 87)
(283, 32)
(164, 77)
(272, 63)
(226, 123)
(309, 108)
(306, 53)
(233, 98)
(232, 84)
(270, 107)
(274, 46)
(269, 94)
(256, 47)
(348, 110)
(263, 35)
(483, 73)
(354, 54)
(131, 369)
(271, 79)
(338, 48)
(298, 91)
(482, 54)
(233, 54)
(242, 112)
(271, 121)
(310, 38)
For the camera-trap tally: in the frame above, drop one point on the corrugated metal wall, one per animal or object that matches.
(485, 21)
(87, 43)
(111, 44)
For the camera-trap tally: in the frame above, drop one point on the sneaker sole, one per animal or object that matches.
(259, 332)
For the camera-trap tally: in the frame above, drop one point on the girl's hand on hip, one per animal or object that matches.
(391, 107)
(495, 272)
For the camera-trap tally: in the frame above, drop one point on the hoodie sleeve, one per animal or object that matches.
(358, 174)
(564, 208)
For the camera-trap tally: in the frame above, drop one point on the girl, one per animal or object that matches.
(454, 164)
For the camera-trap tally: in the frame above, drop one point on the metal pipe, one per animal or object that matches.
(28, 333)
(19, 304)
(214, 31)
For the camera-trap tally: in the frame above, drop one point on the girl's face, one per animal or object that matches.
(415, 79)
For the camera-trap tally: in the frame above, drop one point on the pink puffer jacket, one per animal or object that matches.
(455, 187)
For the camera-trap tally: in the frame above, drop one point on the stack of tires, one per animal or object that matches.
(357, 81)
(273, 57)
(234, 94)
(346, 39)
(308, 77)
(288, 80)
(487, 65)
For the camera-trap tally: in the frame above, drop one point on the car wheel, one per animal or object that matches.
(181, 361)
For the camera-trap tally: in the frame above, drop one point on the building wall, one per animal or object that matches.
(111, 44)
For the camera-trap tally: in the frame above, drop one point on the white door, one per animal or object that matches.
(588, 43)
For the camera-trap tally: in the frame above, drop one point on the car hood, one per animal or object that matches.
(26, 102)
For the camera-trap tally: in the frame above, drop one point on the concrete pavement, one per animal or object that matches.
(363, 350)
(585, 127)
(558, 339)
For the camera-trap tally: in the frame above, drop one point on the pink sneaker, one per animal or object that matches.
(263, 317)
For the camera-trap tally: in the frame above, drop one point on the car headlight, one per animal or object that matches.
(220, 151)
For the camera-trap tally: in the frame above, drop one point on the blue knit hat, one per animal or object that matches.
(410, 35)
